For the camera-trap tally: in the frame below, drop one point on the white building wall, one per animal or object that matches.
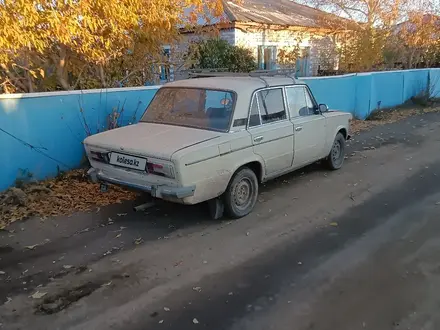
(308, 43)
(316, 47)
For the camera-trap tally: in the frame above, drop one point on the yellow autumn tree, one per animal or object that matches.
(67, 44)
(366, 32)
(416, 41)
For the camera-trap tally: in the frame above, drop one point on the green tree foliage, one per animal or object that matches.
(216, 53)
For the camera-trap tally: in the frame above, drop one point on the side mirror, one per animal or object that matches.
(323, 107)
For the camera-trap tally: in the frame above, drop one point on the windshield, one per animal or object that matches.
(192, 107)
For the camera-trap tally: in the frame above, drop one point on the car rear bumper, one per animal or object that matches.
(158, 191)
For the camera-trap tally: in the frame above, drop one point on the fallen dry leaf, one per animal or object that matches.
(38, 295)
(64, 195)
(118, 235)
(388, 116)
(73, 192)
(195, 321)
(334, 224)
(31, 247)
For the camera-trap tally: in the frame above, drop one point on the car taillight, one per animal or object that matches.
(160, 169)
(102, 157)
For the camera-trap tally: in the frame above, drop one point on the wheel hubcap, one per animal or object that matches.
(243, 193)
(336, 152)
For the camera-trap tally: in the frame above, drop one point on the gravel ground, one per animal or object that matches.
(352, 249)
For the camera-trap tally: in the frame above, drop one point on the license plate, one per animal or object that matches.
(104, 187)
(133, 162)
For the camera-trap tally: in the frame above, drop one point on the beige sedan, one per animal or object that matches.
(217, 138)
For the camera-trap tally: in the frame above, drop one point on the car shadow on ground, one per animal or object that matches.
(289, 178)
(185, 216)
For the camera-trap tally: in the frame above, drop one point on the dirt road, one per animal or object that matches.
(353, 249)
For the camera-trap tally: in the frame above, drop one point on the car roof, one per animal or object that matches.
(238, 84)
(244, 86)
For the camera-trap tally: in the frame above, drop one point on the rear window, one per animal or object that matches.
(191, 107)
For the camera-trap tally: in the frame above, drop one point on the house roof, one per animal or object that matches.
(426, 18)
(408, 24)
(276, 12)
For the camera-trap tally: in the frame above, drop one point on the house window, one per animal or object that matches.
(267, 57)
(303, 63)
(165, 67)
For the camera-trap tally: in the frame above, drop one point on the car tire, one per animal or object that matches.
(242, 193)
(336, 157)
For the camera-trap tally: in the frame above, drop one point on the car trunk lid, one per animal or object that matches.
(151, 140)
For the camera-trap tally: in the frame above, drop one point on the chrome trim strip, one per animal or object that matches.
(194, 144)
(201, 160)
(276, 139)
(212, 157)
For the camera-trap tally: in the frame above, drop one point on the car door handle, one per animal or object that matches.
(258, 139)
(298, 128)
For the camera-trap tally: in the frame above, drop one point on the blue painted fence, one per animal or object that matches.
(41, 133)
(360, 94)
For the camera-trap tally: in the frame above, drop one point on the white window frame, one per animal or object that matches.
(254, 96)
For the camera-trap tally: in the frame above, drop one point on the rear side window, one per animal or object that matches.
(271, 105)
(254, 118)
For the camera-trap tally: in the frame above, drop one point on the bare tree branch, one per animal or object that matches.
(79, 76)
(61, 71)
(16, 81)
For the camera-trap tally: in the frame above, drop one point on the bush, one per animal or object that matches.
(218, 53)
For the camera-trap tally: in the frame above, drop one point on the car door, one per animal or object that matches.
(309, 125)
(271, 130)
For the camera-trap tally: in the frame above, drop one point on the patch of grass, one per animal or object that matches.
(410, 108)
(24, 177)
(391, 115)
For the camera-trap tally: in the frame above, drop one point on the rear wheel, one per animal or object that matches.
(335, 159)
(242, 192)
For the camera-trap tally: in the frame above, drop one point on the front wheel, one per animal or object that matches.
(335, 159)
(242, 192)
